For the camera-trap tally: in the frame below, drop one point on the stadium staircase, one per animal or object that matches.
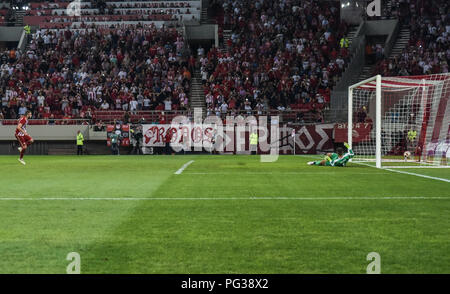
(197, 95)
(204, 16)
(330, 114)
(402, 41)
(352, 31)
(19, 14)
(366, 72)
(351, 34)
(226, 37)
(400, 44)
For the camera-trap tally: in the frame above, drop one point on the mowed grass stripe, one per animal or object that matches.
(242, 236)
(38, 234)
(220, 198)
(273, 237)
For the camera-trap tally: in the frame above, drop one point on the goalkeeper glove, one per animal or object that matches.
(346, 145)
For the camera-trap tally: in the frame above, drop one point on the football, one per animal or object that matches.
(407, 154)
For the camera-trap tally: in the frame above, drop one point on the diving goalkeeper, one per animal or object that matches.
(336, 159)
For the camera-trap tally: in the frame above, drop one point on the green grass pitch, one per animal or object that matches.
(222, 214)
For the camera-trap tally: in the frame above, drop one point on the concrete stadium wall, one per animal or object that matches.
(53, 133)
(206, 31)
(57, 148)
(53, 140)
(380, 27)
(10, 34)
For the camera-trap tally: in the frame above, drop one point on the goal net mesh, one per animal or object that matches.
(415, 117)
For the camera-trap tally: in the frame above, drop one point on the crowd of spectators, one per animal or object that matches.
(70, 74)
(107, 8)
(55, 15)
(6, 16)
(428, 51)
(97, 15)
(282, 55)
(149, 15)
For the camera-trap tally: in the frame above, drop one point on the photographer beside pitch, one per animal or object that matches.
(336, 159)
(136, 140)
(115, 143)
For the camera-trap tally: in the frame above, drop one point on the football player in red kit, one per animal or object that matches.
(22, 136)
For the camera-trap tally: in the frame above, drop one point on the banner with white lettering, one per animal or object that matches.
(235, 139)
(360, 131)
(158, 135)
(308, 139)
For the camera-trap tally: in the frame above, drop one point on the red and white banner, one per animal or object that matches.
(310, 139)
(361, 132)
(159, 135)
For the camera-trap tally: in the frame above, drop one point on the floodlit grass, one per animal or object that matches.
(209, 218)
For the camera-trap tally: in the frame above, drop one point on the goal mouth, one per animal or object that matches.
(401, 114)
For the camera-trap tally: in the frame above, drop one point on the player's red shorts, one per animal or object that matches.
(24, 139)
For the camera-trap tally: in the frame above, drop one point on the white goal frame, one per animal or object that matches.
(439, 83)
(376, 78)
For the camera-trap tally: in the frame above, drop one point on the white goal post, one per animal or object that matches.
(405, 120)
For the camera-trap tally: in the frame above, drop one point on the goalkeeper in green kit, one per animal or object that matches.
(336, 159)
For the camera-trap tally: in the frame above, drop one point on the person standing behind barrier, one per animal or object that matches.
(115, 144)
(27, 30)
(80, 142)
(136, 139)
(344, 42)
(168, 139)
(254, 142)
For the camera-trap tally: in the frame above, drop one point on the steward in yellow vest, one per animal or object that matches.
(80, 141)
(254, 142)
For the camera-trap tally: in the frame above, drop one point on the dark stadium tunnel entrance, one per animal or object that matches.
(195, 44)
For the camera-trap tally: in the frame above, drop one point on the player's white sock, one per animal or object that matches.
(311, 163)
(20, 149)
(22, 162)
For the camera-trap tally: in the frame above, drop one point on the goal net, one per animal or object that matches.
(401, 121)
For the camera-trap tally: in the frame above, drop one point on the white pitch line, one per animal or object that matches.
(418, 167)
(178, 172)
(222, 198)
(285, 173)
(408, 173)
(418, 175)
(365, 164)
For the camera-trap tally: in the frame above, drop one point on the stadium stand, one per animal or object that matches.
(275, 57)
(278, 55)
(6, 17)
(54, 15)
(128, 69)
(135, 69)
(428, 50)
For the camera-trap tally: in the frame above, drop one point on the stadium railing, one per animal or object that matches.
(8, 122)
